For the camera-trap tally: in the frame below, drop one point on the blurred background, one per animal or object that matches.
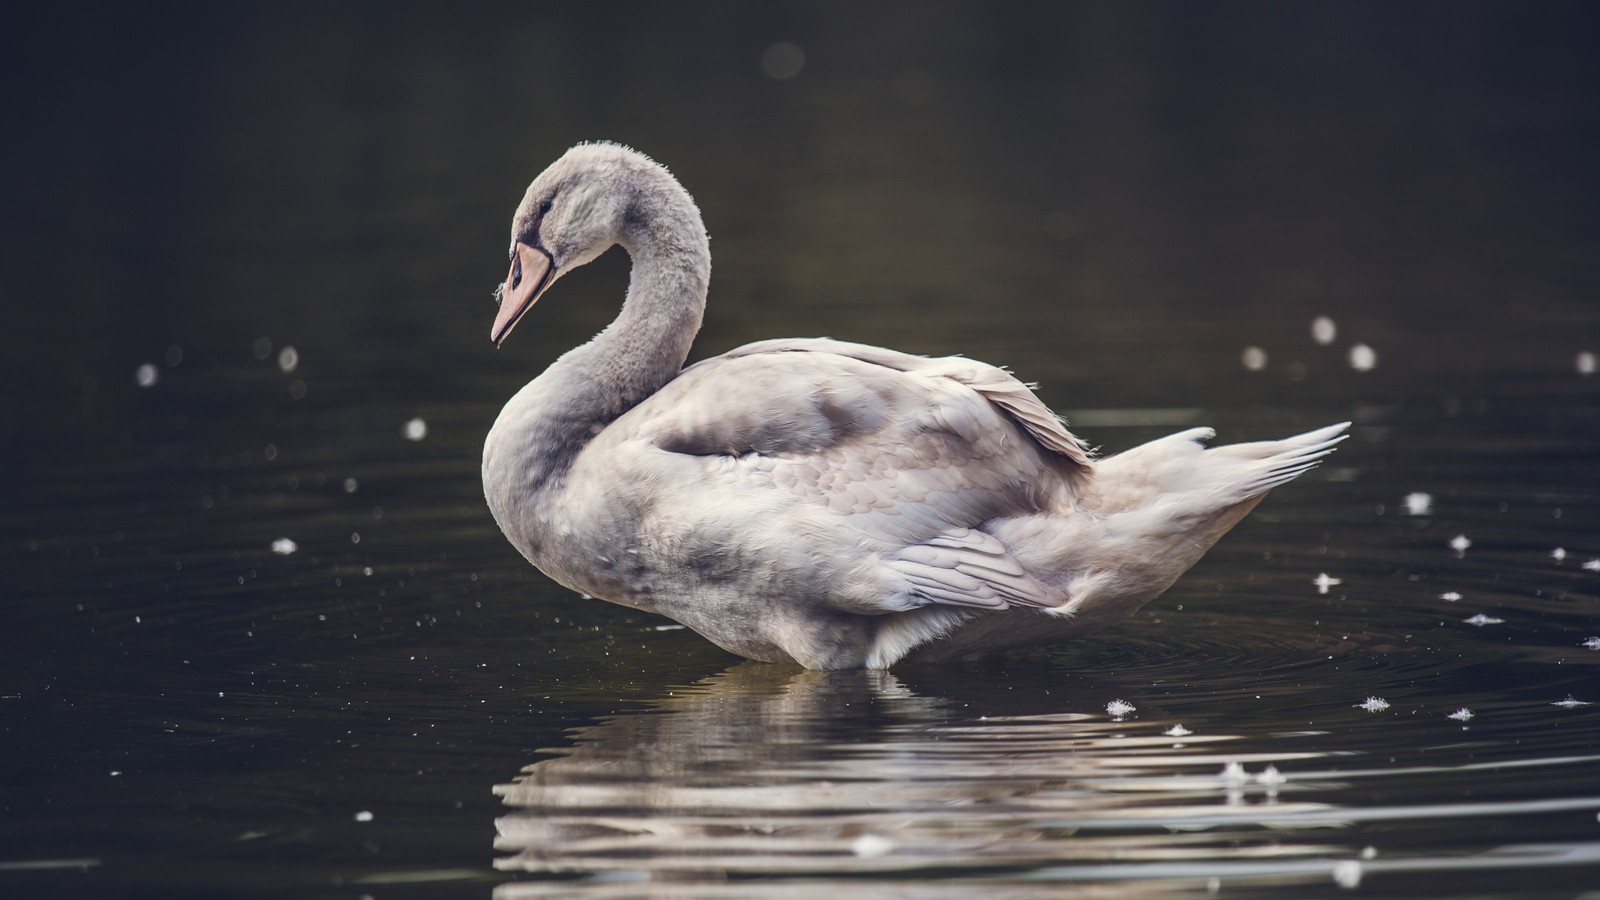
(246, 258)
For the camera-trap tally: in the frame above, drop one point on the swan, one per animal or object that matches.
(812, 501)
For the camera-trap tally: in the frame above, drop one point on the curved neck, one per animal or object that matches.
(541, 430)
(646, 345)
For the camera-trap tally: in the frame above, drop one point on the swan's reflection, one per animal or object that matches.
(766, 770)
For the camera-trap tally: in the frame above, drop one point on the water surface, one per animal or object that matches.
(286, 224)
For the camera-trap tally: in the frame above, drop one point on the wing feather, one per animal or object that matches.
(904, 458)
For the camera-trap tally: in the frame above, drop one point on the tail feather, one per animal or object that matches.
(1261, 466)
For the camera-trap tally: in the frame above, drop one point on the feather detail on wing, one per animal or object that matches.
(993, 383)
(965, 567)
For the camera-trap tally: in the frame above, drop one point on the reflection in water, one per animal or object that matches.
(768, 770)
(774, 776)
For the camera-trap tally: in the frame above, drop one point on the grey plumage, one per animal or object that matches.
(815, 501)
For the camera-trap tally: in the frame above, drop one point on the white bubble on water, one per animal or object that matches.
(1254, 358)
(1233, 773)
(147, 375)
(1177, 731)
(1452, 596)
(1418, 503)
(1592, 565)
(350, 485)
(1460, 543)
(1323, 581)
(1591, 644)
(1347, 873)
(284, 546)
(1570, 703)
(1481, 620)
(871, 846)
(1363, 358)
(1373, 704)
(1462, 714)
(262, 347)
(1323, 331)
(1271, 777)
(416, 430)
(1587, 363)
(288, 359)
(1559, 553)
(1119, 708)
(364, 816)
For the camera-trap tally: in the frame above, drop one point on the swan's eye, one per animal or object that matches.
(545, 206)
(516, 272)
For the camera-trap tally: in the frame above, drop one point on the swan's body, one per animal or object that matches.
(812, 501)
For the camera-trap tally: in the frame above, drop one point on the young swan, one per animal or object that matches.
(813, 501)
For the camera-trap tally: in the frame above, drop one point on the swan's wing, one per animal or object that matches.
(993, 383)
(910, 455)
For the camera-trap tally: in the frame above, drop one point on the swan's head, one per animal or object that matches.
(574, 211)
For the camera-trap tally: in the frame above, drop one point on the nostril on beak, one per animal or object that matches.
(516, 274)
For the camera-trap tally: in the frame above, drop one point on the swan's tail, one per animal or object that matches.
(1151, 512)
(1249, 470)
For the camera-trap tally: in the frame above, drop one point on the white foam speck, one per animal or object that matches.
(1481, 620)
(1234, 773)
(1271, 777)
(1559, 554)
(1363, 358)
(1462, 714)
(871, 846)
(283, 546)
(1591, 644)
(1323, 330)
(1347, 873)
(1592, 565)
(1373, 704)
(1323, 581)
(416, 430)
(350, 485)
(364, 816)
(1452, 596)
(1587, 363)
(1254, 358)
(1460, 543)
(1180, 731)
(288, 359)
(1418, 503)
(147, 375)
(1570, 703)
(1119, 708)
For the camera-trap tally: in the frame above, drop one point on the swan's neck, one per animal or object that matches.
(541, 431)
(646, 345)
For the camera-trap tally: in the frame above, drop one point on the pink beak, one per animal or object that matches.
(531, 270)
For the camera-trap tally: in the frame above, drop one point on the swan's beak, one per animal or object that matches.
(531, 271)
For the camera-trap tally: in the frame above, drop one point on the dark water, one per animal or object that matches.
(1115, 201)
